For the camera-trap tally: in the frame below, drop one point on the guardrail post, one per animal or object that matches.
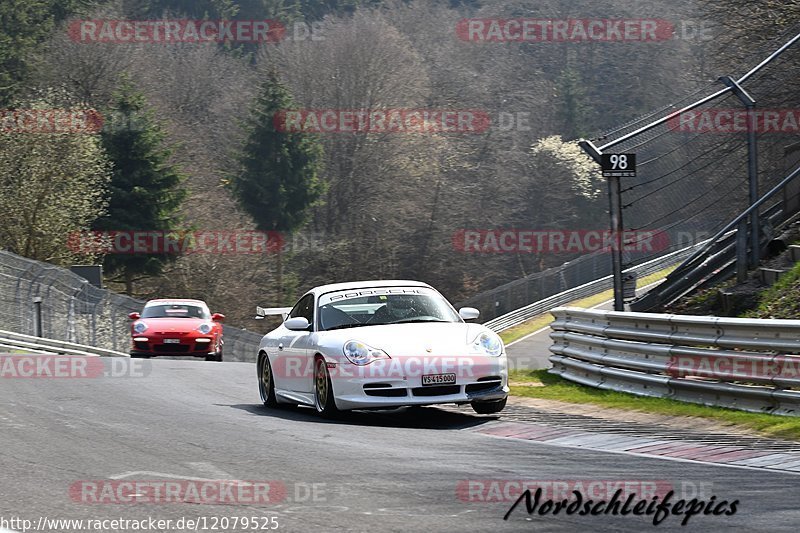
(37, 316)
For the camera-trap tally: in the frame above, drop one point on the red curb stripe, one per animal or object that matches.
(734, 456)
(648, 448)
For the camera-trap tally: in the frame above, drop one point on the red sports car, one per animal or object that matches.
(176, 327)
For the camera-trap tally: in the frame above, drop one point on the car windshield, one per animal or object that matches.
(176, 311)
(372, 307)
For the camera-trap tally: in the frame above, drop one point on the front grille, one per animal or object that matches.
(171, 348)
(140, 345)
(480, 387)
(439, 390)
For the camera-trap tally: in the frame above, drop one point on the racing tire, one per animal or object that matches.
(489, 408)
(324, 402)
(217, 357)
(266, 383)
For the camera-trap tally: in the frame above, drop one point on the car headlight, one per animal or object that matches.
(140, 327)
(205, 328)
(489, 343)
(361, 354)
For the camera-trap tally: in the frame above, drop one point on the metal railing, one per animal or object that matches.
(739, 363)
(535, 287)
(527, 312)
(721, 256)
(10, 340)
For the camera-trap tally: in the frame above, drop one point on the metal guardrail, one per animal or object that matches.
(739, 363)
(12, 340)
(74, 311)
(522, 314)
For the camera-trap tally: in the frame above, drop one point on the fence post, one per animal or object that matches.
(615, 206)
(752, 165)
(741, 252)
(37, 316)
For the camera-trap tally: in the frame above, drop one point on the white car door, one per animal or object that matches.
(293, 367)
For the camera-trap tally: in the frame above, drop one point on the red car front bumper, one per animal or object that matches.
(175, 344)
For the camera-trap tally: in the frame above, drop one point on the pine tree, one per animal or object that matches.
(145, 191)
(278, 181)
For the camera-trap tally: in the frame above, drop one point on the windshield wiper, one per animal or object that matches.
(419, 320)
(344, 326)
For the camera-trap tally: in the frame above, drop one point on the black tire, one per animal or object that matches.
(323, 390)
(266, 383)
(489, 408)
(217, 357)
(139, 356)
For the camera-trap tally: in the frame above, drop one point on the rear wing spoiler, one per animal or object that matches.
(262, 312)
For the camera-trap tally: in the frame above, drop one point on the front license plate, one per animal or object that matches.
(172, 341)
(439, 379)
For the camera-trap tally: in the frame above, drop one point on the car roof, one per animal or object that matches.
(179, 301)
(333, 287)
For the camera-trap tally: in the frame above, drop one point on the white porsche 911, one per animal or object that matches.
(380, 344)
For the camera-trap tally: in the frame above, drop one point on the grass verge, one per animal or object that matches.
(539, 384)
(541, 321)
(782, 300)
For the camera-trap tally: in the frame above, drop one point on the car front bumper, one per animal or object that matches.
(187, 346)
(483, 379)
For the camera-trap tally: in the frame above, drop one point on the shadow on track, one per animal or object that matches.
(404, 417)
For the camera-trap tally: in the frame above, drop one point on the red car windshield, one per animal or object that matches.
(175, 311)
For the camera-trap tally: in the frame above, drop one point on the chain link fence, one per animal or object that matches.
(76, 311)
(597, 286)
(692, 172)
(540, 285)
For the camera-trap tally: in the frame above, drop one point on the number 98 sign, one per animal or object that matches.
(618, 165)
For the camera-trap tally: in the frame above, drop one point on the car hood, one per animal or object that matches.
(173, 324)
(444, 339)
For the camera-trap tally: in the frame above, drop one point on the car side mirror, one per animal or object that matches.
(469, 313)
(134, 316)
(218, 317)
(297, 323)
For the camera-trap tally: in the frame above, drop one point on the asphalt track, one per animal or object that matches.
(370, 471)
